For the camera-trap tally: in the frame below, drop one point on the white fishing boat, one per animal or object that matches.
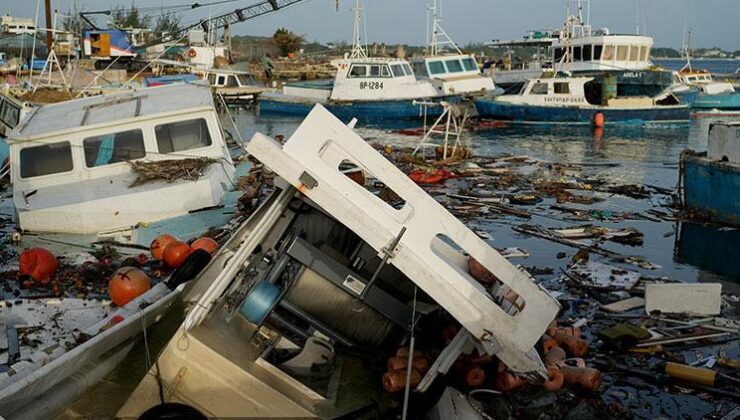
(235, 87)
(450, 71)
(367, 88)
(324, 278)
(72, 163)
(12, 112)
(583, 50)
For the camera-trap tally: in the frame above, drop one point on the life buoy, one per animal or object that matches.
(192, 53)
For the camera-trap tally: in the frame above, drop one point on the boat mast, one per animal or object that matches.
(358, 50)
(437, 36)
(687, 51)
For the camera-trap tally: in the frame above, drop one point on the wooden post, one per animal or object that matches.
(47, 3)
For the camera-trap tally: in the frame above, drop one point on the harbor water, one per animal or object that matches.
(688, 252)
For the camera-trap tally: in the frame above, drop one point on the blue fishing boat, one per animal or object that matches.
(711, 180)
(729, 101)
(578, 100)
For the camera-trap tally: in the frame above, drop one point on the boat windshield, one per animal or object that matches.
(470, 64)
(408, 70)
(245, 79)
(397, 70)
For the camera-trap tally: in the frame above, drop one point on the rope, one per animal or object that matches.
(409, 365)
(147, 356)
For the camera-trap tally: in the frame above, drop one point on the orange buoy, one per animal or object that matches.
(126, 284)
(192, 53)
(396, 380)
(175, 254)
(508, 382)
(588, 379)
(599, 120)
(159, 244)
(206, 244)
(554, 357)
(475, 376)
(554, 380)
(38, 263)
(548, 343)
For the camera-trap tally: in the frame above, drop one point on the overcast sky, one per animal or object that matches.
(715, 22)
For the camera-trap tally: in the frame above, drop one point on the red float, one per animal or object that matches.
(159, 244)
(39, 264)
(126, 284)
(175, 254)
(206, 244)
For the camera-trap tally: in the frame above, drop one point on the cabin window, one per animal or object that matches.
(470, 64)
(577, 54)
(245, 80)
(10, 114)
(420, 68)
(558, 54)
(221, 80)
(645, 53)
(385, 71)
(634, 53)
(622, 51)
(408, 70)
(453, 66)
(113, 148)
(608, 54)
(597, 52)
(358, 71)
(562, 88)
(48, 159)
(211, 79)
(375, 71)
(539, 89)
(586, 53)
(231, 81)
(182, 135)
(397, 70)
(436, 67)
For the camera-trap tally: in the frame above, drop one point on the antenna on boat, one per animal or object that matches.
(437, 36)
(687, 50)
(358, 50)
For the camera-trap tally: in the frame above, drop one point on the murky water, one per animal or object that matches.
(636, 156)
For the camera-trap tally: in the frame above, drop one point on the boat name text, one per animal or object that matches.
(565, 100)
(371, 85)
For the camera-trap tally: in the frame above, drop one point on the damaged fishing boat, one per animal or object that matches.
(326, 279)
(710, 181)
(119, 160)
(563, 99)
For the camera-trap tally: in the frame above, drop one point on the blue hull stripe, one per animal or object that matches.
(712, 187)
(531, 113)
(364, 111)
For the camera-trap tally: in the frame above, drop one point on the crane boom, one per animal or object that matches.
(236, 16)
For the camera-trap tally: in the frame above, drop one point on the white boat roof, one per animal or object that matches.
(112, 107)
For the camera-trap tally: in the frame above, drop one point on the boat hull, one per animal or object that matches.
(366, 111)
(729, 102)
(491, 108)
(711, 187)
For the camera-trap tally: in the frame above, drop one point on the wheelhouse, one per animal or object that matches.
(604, 52)
(230, 79)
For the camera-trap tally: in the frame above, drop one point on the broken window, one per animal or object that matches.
(113, 148)
(539, 89)
(47, 159)
(182, 135)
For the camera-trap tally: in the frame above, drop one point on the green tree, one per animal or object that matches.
(286, 41)
(168, 22)
(130, 18)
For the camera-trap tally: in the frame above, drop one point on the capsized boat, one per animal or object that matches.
(324, 279)
(711, 180)
(577, 100)
(85, 166)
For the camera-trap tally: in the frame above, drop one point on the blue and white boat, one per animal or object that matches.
(711, 180)
(367, 88)
(577, 100)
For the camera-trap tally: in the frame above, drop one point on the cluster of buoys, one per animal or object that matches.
(429, 178)
(173, 252)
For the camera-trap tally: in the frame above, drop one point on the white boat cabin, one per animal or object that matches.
(229, 78)
(453, 74)
(69, 161)
(368, 79)
(702, 80)
(600, 50)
